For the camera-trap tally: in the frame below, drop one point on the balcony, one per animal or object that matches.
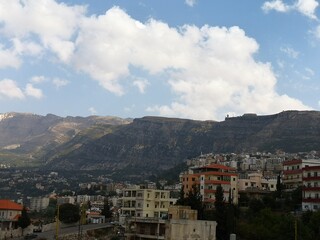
(311, 200)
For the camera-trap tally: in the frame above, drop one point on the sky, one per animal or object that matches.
(195, 59)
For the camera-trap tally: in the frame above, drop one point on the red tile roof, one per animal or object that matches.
(217, 166)
(9, 205)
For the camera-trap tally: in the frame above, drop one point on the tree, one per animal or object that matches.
(69, 213)
(24, 220)
(181, 200)
(221, 214)
(279, 187)
(106, 211)
(194, 200)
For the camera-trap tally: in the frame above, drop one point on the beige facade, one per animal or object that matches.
(139, 202)
(181, 225)
(257, 181)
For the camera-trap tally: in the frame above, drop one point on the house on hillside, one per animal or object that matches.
(9, 214)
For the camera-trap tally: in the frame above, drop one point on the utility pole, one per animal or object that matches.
(57, 221)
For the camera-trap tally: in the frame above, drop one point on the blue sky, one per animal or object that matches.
(197, 59)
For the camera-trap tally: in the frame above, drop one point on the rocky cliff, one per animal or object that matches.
(153, 143)
(148, 144)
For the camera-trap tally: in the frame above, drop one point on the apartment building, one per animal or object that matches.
(39, 203)
(207, 178)
(256, 180)
(292, 171)
(311, 188)
(141, 202)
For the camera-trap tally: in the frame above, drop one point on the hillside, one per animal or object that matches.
(149, 144)
(25, 139)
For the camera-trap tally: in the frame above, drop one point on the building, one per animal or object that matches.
(181, 224)
(311, 188)
(149, 203)
(39, 203)
(292, 171)
(207, 179)
(258, 181)
(9, 214)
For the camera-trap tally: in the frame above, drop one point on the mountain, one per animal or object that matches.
(150, 144)
(26, 138)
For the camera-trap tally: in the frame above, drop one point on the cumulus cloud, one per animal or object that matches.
(38, 79)
(190, 2)
(60, 82)
(10, 89)
(305, 7)
(33, 92)
(53, 22)
(276, 5)
(8, 58)
(141, 84)
(210, 70)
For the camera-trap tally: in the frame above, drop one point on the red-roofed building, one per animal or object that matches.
(292, 171)
(207, 178)
(9, 214)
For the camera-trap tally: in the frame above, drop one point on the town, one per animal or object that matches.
(164, 209)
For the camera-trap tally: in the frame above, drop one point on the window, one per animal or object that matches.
(315, 174)
(193, 179)
(147, 204)
(271, 185)
(246, 184)
(234, 179)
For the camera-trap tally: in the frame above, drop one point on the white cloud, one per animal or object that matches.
(26, 47)
(309, 71)
(141, 84)
(53, 22)
(8, 58)
(190, 2)
(317, 32)
(290, 52)
(92, 111)
(10, 89)
(33, 92)
(305, 7)
(276, 5)
(38, 79)
(60, 82)
(211, 70)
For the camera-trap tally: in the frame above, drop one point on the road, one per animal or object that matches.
(70, 230)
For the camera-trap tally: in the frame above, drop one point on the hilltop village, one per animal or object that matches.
(160, 208)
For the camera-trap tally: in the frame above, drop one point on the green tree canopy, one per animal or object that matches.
(69, 213)
(24, 220)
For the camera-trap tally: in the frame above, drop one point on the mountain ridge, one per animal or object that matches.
(150, 144)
